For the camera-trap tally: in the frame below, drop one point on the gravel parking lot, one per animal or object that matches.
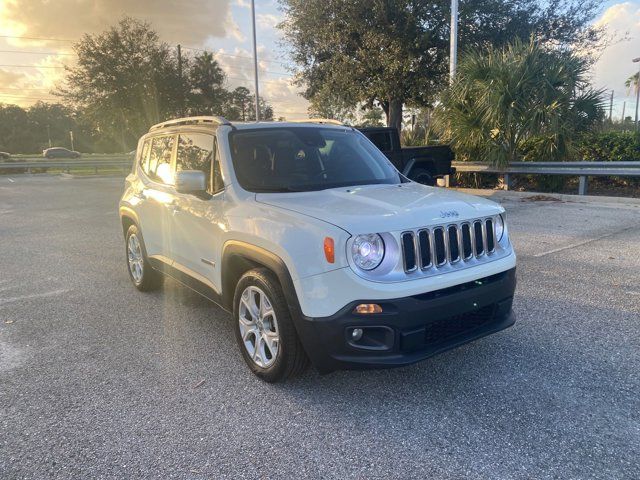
(98, 380)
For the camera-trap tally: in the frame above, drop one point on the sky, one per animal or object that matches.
(36, 38)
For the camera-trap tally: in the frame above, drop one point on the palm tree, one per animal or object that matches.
(632, 80)
(519, 102)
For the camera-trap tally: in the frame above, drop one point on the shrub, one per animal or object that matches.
(608, 147)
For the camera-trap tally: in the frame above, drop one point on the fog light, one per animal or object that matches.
(356, 334)
(366, 308)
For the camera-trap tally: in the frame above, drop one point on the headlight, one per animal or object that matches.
(498, 226)
(367, 251)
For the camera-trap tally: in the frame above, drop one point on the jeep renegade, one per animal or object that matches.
(317, 245)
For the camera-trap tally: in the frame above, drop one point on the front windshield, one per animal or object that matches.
(291, 159)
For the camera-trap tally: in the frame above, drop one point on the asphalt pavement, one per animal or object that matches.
(98, 380)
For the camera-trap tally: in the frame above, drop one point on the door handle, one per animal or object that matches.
(174, 207)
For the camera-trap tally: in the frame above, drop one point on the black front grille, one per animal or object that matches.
(490, 245)
(467, 248)
(477, 228)
(448, 245)
(409, 248)
(454, 250)
(425, 248)
(441, 253)
(448, 328)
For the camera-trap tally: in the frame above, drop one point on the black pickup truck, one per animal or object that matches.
(421, 164)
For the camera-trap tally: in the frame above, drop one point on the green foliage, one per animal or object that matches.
(520, 102)
(609, 147)
(327, 104)
(372, 118)
(395, 52)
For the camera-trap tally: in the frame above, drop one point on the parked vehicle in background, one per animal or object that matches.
(315, 243)
(4, 155)
(60, 152)
(421, 164)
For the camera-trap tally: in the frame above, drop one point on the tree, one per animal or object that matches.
(51, 122)
(632, 81)
(518, 102)
(395, 52)
(207, 95)
(372, 118)
(241, 106)
(14, 130)
(125, 80)
(327, 104)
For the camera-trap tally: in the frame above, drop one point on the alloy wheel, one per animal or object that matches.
(258, 327)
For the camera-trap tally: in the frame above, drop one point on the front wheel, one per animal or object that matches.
(264, 329)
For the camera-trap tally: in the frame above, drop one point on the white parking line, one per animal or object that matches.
(35, 295)
(579, 244)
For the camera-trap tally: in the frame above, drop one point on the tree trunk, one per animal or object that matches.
(394, 119)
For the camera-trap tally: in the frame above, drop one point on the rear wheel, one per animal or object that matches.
(143, 276)
(422, 176)
(264, 329)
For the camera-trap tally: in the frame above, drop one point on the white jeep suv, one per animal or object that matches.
(318, 246)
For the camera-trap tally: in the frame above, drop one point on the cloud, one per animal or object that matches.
(267, 21)
(185, 22)
(615, 65)
(275, 84)
(10, 78)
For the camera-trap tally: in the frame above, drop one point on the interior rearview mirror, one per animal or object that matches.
(191, 181)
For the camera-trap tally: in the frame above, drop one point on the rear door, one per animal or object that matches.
(197, 222)
(154, 196)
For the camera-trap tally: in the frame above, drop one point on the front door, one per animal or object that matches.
(197, 223)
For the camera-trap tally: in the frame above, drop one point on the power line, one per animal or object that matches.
(34, 66)
(39, 53)
(18, 37)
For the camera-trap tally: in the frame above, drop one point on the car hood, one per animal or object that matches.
(383, 208)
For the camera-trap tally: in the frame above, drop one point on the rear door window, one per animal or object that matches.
(159, 169)
(144, 156)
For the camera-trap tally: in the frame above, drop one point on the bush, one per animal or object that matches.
(608, 147)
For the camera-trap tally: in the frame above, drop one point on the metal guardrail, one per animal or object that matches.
(28, 165)
(583, 170)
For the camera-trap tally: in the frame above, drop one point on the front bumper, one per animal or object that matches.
(412, 328)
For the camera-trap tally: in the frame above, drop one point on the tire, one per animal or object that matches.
(422, 176)
(146, 279)
(273, 362)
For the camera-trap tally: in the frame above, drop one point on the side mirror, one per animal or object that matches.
(191, 181)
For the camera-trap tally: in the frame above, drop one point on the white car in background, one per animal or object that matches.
(316, 244)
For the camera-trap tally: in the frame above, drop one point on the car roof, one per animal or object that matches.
(212, 123)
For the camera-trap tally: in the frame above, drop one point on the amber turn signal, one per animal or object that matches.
(367, 308)
(329, 250)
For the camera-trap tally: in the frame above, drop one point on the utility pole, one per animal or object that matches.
(611, 106)
(49, 134)
(255, 58)
(71, 137)
(181, 98)
(636, 60)
(453, 42)
(624, 105)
